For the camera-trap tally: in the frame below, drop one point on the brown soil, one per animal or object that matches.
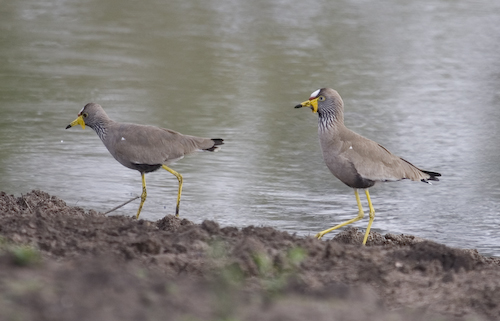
(61, 263)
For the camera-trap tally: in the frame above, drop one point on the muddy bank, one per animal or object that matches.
(63, 263)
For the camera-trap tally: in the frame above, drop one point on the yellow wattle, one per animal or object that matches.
(78, 121)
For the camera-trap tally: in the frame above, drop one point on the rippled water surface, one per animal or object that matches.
(422, 78)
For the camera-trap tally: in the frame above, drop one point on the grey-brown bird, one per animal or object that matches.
(355, 160)
(142, 147)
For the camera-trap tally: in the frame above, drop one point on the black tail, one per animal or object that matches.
(217, 142)
(433, 175)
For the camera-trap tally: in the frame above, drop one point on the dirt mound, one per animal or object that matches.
(62, 263)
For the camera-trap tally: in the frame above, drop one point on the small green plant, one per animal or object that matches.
(275, 275)
(296, 255)
(227, 279)
(24, 255)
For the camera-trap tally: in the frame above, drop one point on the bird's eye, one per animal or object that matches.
(321, 98)
(85, 115)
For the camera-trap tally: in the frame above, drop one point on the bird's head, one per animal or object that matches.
(87, 116)
(323, 100)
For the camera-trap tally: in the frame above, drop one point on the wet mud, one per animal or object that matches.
(59, 262)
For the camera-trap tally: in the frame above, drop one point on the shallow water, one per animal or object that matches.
(420, 78)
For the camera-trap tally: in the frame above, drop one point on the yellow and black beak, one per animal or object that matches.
(311, 103)
(78, 121)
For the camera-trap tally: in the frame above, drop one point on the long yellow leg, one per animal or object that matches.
(143, 195)
(372, 216)
(179, 178)
(361, 214)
